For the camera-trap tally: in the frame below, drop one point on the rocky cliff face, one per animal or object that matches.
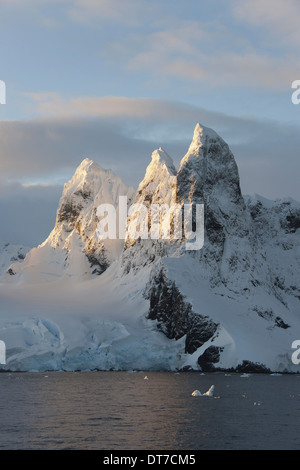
(176, 318)
(208, 175)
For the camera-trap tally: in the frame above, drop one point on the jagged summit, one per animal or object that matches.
(201, 134)
(160, 167)
(159, 180)
(157, 187)
(86, 169)
(86, 164)
(160, 157)
(209, 170)
(90, 173)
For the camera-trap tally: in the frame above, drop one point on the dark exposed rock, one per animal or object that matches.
(214, 229)
(252, 367)
(84, 193)
(292, 222)
(269, 315)
(175, 316)
(266, 314)
(98, 262)
(256, 209)
(200, 330)
(281, 324)
(69, 212)
(210, 356)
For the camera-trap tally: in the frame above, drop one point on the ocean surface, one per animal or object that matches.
(125, 411)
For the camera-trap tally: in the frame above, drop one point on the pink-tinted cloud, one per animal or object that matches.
(278, 18)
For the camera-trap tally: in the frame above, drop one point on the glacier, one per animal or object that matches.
(79, 303)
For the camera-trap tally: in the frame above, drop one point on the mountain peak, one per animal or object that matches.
(86, 162)
(160, 157)
(201, 135)
(209, 166)
(159, 170)
(86, 166)
(198, 132)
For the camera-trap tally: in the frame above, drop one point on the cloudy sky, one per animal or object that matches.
(113, 80)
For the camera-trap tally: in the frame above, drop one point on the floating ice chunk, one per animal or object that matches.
(209, 393)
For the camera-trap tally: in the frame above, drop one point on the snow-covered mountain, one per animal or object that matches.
(73, 248)
(78, 302)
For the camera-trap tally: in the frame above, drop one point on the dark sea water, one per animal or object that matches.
(124, 411)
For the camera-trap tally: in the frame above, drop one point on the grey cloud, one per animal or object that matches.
(27, 214)
(48, 149)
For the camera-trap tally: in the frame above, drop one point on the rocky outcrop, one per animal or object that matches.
(175, 316)
(208, 175)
